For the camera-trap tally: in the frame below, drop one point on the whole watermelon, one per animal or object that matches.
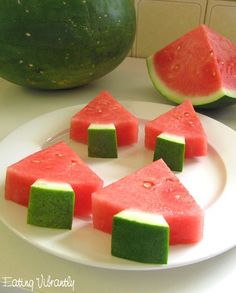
(56, 44)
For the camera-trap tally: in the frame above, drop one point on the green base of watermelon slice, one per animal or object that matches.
(200, 66)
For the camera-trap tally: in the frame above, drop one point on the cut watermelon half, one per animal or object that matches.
(200, 66)
(57, 163)
(181, 120)
(154, 189)
(104, 109)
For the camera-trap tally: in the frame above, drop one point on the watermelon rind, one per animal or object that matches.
(102, 140)
(171, 148)
(140, 236)
(222, 97)
(63, 44)
(51, 204)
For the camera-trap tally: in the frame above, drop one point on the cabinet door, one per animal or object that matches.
(221, 16)
(161, 22)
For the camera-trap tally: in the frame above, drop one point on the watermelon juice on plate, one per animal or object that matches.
(210, 180)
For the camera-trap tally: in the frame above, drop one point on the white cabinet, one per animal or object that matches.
(160, 22)
(221, 16)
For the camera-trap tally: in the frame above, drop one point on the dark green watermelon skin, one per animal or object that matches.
(63, 44)
(224, 101)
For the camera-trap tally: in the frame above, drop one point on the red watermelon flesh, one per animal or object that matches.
(105, 109)
(182, 120)
(200, 65)
(155, 189)
(57, 163)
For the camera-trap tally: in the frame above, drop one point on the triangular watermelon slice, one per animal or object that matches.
(200, 66)
(181, 120)
(154, 189)
(105, 109)
(57, 163)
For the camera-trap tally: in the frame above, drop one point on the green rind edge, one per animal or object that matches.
(102, 143)
(221, 98)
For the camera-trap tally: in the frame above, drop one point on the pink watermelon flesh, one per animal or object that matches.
(105, 109)
(201, 66)
(155, 189)
(182, 120)
(57, 163)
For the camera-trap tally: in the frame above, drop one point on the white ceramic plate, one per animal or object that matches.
(211, 180)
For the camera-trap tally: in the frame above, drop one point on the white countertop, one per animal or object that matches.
(19, 259)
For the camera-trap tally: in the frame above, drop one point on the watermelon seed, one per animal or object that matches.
(169, 189)
(186, 114)
(178, 48)
(191, 123)
(213, 73)
(178, 117)
(177, 66)
(104, 103)
(59, 155)
(147, 184)
(73, 162)
(177, 196)
(170, 180)
(35, 161)
(211, 53)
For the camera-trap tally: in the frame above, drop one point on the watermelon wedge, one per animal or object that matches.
(181, 120)
(154, 189)
(105, 109)
(57, 163)
(200, 66)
